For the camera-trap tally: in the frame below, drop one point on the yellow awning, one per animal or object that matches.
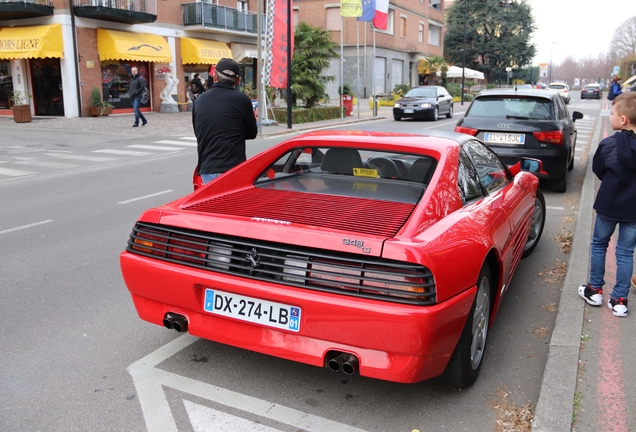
(202, 51)
(31, 42)
(241, 51)
(121, 45)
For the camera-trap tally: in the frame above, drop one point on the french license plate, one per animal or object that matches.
(408, 111)
(253, 310)
(504, 138)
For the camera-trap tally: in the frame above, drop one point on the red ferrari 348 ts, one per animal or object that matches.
(379, 253)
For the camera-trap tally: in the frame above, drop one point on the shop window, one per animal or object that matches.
(116, 78)
(6, 84)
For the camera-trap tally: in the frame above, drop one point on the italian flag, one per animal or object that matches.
(381, 14)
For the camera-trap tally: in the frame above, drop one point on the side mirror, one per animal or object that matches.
(577, 115)
(534, 166)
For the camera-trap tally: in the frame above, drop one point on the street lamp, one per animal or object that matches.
(551, 51)
(464, 51)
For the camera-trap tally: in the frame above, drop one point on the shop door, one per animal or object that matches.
(47, 87)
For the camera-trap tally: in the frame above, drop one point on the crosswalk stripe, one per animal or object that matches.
(149, 147)
(82, 158)
(14, 172)
(188, 144)
(45, 164)
(122, 152)
(189, 138)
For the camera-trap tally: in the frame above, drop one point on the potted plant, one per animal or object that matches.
(21, 107)
(98, 106)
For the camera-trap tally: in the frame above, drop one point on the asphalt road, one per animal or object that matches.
(75, 356)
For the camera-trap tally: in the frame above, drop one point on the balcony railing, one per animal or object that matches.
(18, 9)
(221, 17)
(125, 11)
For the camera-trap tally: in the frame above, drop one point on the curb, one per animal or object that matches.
(315, 127)
(555, 405)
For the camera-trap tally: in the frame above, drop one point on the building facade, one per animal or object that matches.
(58, 51)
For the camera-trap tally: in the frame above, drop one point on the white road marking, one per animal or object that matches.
(189, 138)
(82, 158)
(146, 196)
(14, 172)
(150, 382)
(45, 164)
(122, 152)
(555, 208)
(204, 419)
(149, 147)
(25, 226)
(183, 143)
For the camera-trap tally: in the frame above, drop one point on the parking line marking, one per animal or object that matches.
(189, 138)
(555, 208)
(189, 144)
(149, 147)
(146, 196)
(14, 172)
(45, 164)
(122, 152)
(25, 226)
(205, 419)
(81, 157)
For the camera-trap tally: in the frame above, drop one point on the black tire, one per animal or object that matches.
(536, 226)
(450, 112)
(464, 365)
(397, 118)
(560, 184)
(435, 114)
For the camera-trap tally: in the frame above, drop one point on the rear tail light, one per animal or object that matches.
(551, 137)
(465, 130)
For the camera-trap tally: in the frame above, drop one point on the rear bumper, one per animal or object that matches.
(394, 342)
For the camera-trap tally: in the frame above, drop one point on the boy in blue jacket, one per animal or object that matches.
(614, 164)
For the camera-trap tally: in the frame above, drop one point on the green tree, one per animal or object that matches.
(313, 48)
(498, 35)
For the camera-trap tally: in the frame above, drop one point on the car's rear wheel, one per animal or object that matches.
(397, 118)
(561, 184)
(435, 114)
(537, 224)
(464, 365)
(450, 112)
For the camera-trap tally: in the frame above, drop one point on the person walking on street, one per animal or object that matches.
(136, 90)
(614, 164)
(222, 120)
(614, 88)
(197, 86)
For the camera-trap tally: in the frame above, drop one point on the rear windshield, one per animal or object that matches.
(591, 87)
(512, 107)
(351, 172)
(557, 86)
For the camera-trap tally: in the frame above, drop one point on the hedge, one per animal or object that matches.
(304, 115)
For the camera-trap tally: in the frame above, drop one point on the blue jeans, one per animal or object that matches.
(138, 114)
(207, 178)
(603, 230)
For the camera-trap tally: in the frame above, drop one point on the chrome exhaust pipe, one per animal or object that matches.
(335, 364)
(350, 366)
(175, 321)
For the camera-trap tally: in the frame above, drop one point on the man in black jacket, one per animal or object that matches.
(614, 164)
(222, 119)
(135, 91)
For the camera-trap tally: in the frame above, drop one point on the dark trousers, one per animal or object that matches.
(138, 114)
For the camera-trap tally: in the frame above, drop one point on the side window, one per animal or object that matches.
(561, 109)
(469, 187)
(492, 173)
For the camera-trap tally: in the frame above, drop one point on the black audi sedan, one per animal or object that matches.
(591, 91)
(525, 123)
(426, 102)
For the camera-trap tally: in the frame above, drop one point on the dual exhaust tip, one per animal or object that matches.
(348, 363)
(173, 321)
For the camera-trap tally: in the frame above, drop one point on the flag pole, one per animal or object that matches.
(289, 63)
(341, 71)
(375, 107)
(358, 62)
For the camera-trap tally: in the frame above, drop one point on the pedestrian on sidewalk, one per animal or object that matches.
(614, 164)
(614, 88)
(135, 91)
(222, 119)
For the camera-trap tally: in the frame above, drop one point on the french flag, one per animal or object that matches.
(381, 14)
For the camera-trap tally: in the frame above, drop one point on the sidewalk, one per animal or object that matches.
(180, 124)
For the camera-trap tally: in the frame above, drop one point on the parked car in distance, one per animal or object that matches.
(525, 123)
(339, 249)
(591, 91)
(425, 102)
(561, 89)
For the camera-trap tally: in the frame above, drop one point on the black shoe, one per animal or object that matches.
(135, 125)
(594, 296)
(144, 123)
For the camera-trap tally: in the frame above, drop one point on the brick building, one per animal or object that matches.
(57, 51)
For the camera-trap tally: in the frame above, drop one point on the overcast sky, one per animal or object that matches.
(579, 28)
